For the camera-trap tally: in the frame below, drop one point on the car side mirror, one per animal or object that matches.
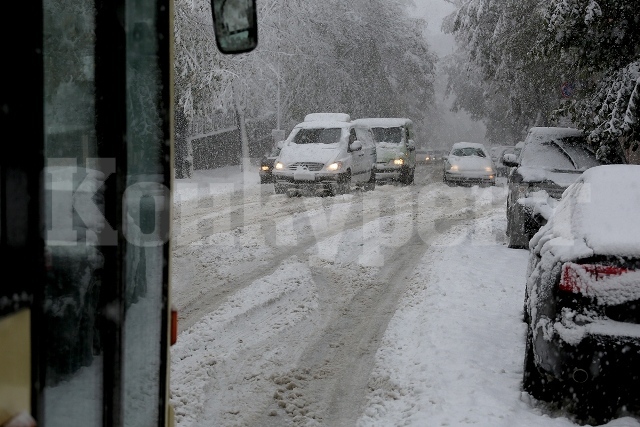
(355, 146)
(510, 160)
(411, 145)
(280, 144)
(235, 24)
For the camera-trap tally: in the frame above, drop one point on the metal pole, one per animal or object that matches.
(278, 65)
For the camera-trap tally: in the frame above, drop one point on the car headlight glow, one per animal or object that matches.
(489, 169)
(398, 162)
(334, 166)
(279, 166)
(453, 168)
(265, 168)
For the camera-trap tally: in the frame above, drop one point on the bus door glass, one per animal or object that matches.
(107, 212)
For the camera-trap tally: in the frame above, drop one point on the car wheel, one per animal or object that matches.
(518, 238)
(279, 188)
(405, 176)
(538, 385)
(344, 184)
(371, 184)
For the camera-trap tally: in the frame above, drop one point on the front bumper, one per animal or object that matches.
(470, 178)
(386, 171)
(318, 183)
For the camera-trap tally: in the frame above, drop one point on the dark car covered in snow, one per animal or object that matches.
(582, 298)
(552, 158)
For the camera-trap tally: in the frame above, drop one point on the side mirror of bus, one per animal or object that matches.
(235, 25)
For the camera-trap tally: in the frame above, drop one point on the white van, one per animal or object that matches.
(396, 150)
(325, 154)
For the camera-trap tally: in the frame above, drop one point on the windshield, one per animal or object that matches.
(318, 136)
(392, 135)
(568, 154)
(468, 151)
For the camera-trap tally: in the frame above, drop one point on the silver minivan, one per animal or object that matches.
(326, 154)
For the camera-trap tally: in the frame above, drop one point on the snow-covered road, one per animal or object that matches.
(400, 306)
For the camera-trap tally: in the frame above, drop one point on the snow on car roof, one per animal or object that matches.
(327, 117)
(557, 132)
(596, 216)
(325, 124)
(383, 121)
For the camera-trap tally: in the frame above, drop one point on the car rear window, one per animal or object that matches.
(318, 136)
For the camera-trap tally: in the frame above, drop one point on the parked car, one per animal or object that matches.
(469, 163)
(325, 155)
(582, 299)
(552, 158)
(395, 148)
(267, 162)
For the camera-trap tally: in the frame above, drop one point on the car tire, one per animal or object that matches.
(279, 189)
(344, 184)
(518, 238)
(406, 176)
(538, 385)
(371, 184)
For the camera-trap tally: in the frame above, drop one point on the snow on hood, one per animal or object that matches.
(598, 214)
(317, 153)
(471, 163)
(563, 179)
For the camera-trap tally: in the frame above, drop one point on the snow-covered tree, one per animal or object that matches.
(364, 57)
(601, 40)
(522, 51)
(499, 73)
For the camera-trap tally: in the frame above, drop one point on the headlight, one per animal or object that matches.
(279, 165)
(489, 169)
(334, 166)
(398, 162)
(453, 168)
(265, 168)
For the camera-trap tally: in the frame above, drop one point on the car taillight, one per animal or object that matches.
(582, 278)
